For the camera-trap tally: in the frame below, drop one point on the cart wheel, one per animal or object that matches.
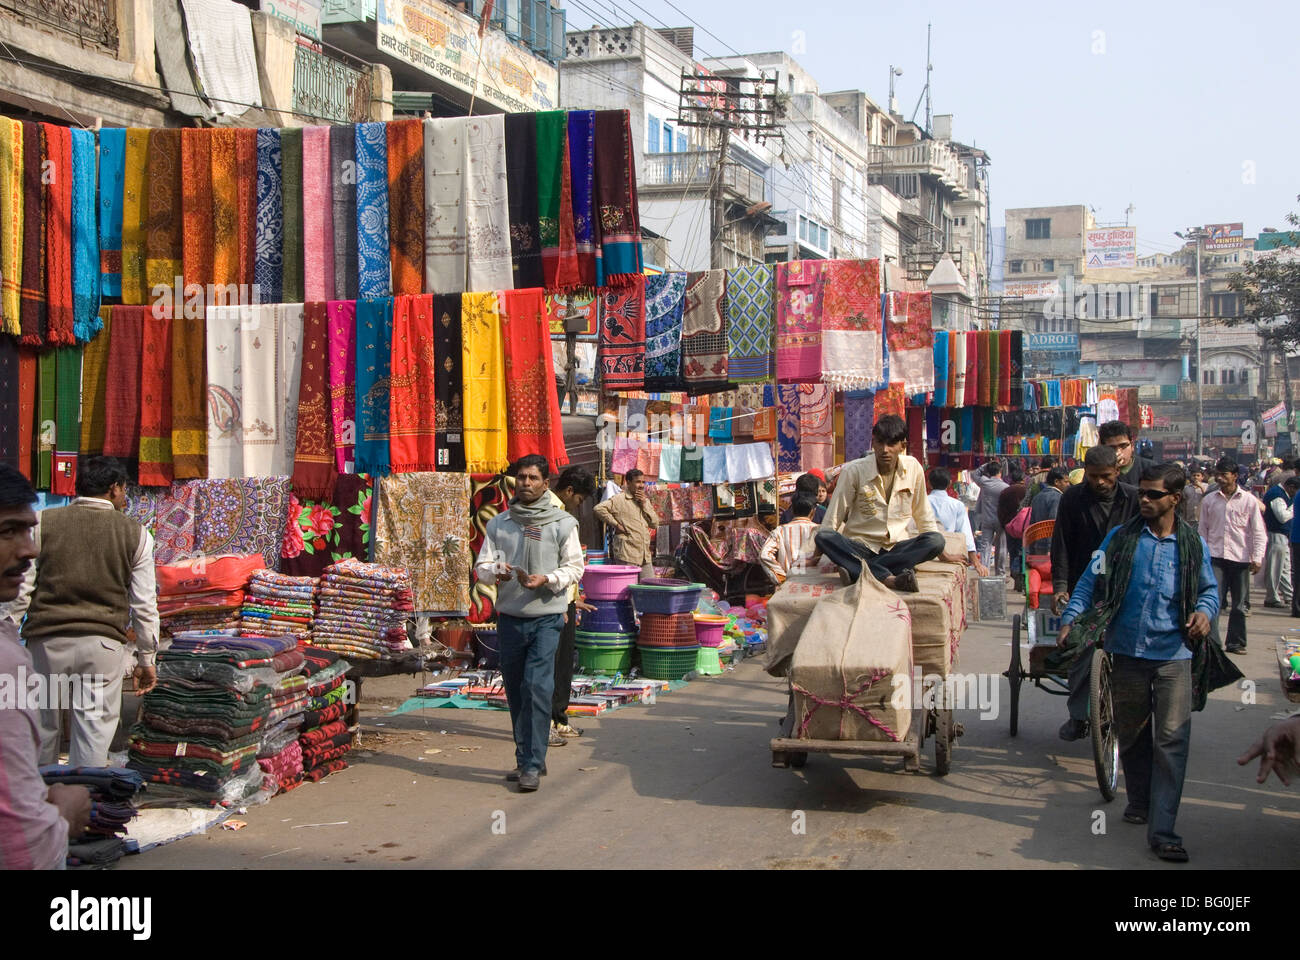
(1105, 745)
(797, 760)
(1015, 675)
(780, 759)
(942, 742)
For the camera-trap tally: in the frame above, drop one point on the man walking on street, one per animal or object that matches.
(93, 579)
(1234, 531)
(1009, 501)
(1278, 503)
(533, 554)
(1087, 512)
(572, 489)
(952, 514)
(1193, 493)
(634, 522)
(1150, 603)
(989, 480)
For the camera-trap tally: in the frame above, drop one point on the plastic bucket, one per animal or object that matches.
(605, 660)
(709, 630)
(610, 616)
(609, 581)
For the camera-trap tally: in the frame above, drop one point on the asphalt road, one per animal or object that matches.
(688, 782)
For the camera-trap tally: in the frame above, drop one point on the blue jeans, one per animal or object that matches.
(1152, 700)
(851, 555)
(528, 646)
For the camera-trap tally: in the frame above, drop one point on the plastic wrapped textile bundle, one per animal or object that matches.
(362, 610)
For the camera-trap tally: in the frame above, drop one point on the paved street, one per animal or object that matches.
(688, 783)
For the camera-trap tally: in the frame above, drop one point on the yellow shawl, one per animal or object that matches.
(11, 222)
(485, 384)
(134, 207)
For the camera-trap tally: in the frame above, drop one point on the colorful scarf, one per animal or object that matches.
(163, 256)
(983, 356)
(788, 423)
(1004, 369)
(85, 251)
(1018, 367)
(485, 402)
(241, 516)
(134, 206)
(247, 174)
(46, 404)
(189, 387)
(941, 368)
(343, 147)
(314, 469)
(852, 347)
(858, 421)
(374, 269)
(374, 364)
(816, 426)
(197, 206)
(489, 495)
(445, 172)
(268, 268)
(406, 207)
(616, 199)
(623, 336)
(968, 353)
(317, 216)
(750, 318)
(891, 400)
(704, 332)
(11, 224)
(448, 382)
(58, 236)
(156, 468)
(291, 190)
(995, 368)
(94, 386)
(112, 179)
(532, 404)
(319, 533)
(27, 377)
(551, 128)
(10, 421)
(225, 207)
(911, 341)
(665, 297)
(122, 406)
(67, 421)
(567, 276)
(420, 526)
(32, 311)
(487, 206)
(799, 321)
(521, 181)
(342, 345)
(412, 443)
(582, 156)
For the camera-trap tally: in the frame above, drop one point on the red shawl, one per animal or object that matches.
(26, 410)
(246, 212)
(1004, 368)
(412, 412)
(890, 400)
(122, 407)
(196, 205)
(622, 336)
(532, 405)
(58, 235)
(406, 205)
(567, 275)
(155, 399)
(31, 309)
(314, 470)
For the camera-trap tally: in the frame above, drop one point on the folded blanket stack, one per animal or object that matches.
(278, 753)
(324, 738)
(204, 594)
(278, 605)
(112, 794)
(362, 610)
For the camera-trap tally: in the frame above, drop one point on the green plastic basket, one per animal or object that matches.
(667, 663)
(605, 660)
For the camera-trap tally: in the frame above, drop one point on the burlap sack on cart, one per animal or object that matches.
(788, 611)
(855, 643)
(938, 616)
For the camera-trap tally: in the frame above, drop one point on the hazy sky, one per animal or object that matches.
(1182, 109)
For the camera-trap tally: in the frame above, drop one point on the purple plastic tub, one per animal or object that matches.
(610, 616)
(676, 597)
(609, 581)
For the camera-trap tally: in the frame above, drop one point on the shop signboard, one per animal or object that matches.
(1110, 247)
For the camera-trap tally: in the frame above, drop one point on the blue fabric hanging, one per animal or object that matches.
(374, 266)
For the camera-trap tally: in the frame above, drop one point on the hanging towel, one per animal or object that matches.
(412, 442)
(788, 423)
(941, 368)
(134, 200)
(852, 346)
(291, 182)
(704, 332)
(342, 345)
(374, 270)
(670, 462)
(94, 386)
(448, 382)
(156, 399)
(551, 129)
(521, 180)
(122, 409)
(445, 175)
(112, 177)
(532, 405)
(33, 313)
(318, 216)
(485, 407)
(616, 199)
(374, 369)
(799, 321)
(189, 389)
(665, 301)
(343, 147)
(246, 188)
(314, 472)
(911, 341)
(750, 321)
(487, 204)
(406, 205)
(268, 268)
(197, 210)
(749, 461)
(222, 52)
(816, 427)
(623, 336)
(715, 464)
(11, 224)
(582, 156)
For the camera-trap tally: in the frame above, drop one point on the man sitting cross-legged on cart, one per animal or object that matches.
(1150, 599)
(875, 499)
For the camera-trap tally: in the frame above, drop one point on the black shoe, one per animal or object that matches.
(1073, 729)
(1135, 816)
(1274, 606)
(529, 780)
(513, 775)
(905, 581)
(1238, 648)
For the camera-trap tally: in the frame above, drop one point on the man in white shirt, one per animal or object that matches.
(1278, 510)
(952, 514)
(1232, 525)
(792, 545)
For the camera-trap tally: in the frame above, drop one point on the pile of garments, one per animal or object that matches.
(279, 755)
(204, 594)
(112, 795)
(278, 605)
(324, 738)
(362, 610)
(203, 725)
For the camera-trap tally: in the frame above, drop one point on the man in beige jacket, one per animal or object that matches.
(634, 523)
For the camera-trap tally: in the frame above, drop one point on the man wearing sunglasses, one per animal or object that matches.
(1233, 527)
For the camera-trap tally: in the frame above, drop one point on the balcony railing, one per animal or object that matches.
(92, 22)
(928, 157)
(696, 168)
(327, 88)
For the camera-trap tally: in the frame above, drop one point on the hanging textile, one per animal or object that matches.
(246, 174)
(984, 360)
(94, 386)
(487, 206)
(46, 401)
(374, 270)
(704, 332)
(720, 421)
(941, 368)
(665, 296)
(343, 148)
(314, 470)
(58, 235)
(122, 410)
(85, 251)
(485, 407)
(789, 459)
(623, 336)
(891, 400)
(406, 204)
(32, 310)
(27, 377)
(1017, 372)
(852, 347)
(798, 321)
(958, 354)
(112, 176)
(915, 417)
(11, 224)
(241, 516)
(616, 199)
(189, 393)
(448, 383)
(291, 186)
(445, 170)
(911, 341)
(163, 257)
(318, 216)
(226, 211)
(521, 181)
(552, 126)
(197, 228)
(67, 421)
(859, 418)
(420, 525)
(374, 366)
(750, 319)
(134, 198)
(816, 426)
(342, 345)
(412, 418)
(489, 495)
(223, 53)
(156, 400)
(1005, 363)
(268, 268)
(995, 368)
(582, 157)
(10, 421)
(322, 532)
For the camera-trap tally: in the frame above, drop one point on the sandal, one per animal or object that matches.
(1172, 852)
(1132, 816)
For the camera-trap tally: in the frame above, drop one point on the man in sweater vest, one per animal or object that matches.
(93, 579)
(533, 554)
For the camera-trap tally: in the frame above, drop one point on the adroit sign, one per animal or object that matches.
(1054, 343)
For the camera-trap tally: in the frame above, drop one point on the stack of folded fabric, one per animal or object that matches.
(324, 738)
(204, 594)
(112, 794)
(278, 605)
(279, 754)
(362, 610)
(204, 722)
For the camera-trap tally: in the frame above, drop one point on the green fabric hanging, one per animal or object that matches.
(551, 127)
(291, 191)
(46, 397)
(67, 400)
